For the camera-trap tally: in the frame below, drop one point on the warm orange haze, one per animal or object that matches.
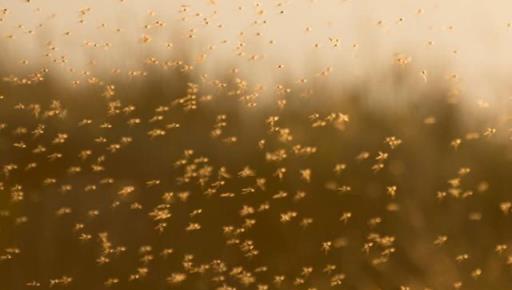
(255, 145)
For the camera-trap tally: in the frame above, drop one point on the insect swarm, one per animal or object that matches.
(185, 148)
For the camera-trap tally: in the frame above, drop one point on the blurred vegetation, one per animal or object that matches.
(443, 189)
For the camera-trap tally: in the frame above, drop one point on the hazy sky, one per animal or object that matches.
(268, 40)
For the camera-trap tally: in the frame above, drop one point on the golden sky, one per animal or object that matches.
(269, 40)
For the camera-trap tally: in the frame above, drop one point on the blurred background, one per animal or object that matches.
(255, 145)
